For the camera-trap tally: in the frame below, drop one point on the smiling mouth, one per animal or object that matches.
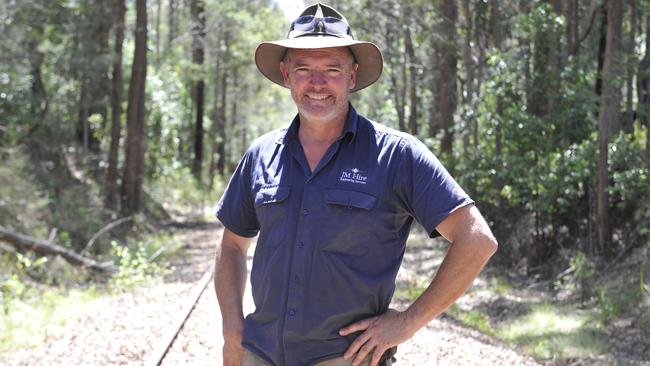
(318, 96)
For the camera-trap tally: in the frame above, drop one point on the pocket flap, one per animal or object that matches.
(271, 194)
(350, 199)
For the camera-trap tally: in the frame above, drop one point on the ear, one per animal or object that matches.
(353, 77)
(285, 73)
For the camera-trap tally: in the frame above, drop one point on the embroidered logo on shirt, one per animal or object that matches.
(353, 175)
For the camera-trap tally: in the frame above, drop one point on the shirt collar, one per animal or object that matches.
(350, 128)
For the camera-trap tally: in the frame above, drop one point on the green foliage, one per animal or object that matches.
(536, 167)
(578, 276)
(134, 266)
(472, 318)
(412, 292)
(608, 307)
(644, 288)
(180, 194)
(21, 327)
(551, 331)
(500, 286)
(22, 203)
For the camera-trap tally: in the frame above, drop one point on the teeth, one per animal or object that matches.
(317, 96)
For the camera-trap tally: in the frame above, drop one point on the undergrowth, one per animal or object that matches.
(39, 293)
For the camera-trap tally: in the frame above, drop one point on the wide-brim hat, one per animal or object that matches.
(320, 26)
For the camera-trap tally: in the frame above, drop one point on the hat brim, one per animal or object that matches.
(268, 56)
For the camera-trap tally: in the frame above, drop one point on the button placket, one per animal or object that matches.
(298, 260)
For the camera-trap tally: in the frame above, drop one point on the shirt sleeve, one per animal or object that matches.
(425, 188)
(235, 208)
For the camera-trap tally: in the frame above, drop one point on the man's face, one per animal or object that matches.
(320, 81)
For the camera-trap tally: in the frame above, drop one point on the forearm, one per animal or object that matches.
(229, 284)
(462, 264)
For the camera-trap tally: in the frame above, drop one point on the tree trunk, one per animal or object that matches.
(116, 102)
(545, 68)
(628, 121)
(560, 55)
(571, 29)
(216, 114)
(95, 82)
(557, 58)
(480, 73)
(221, 131)
(198, 55)
(39, 102)
(608, 115)
(158, 15)
(171, 23)
(469, 68)
(136, 124)
(447, 73)
(433, 89)
(220, 144)
(602, 44)
(398, 67)
(232, 160)
(497, 34)
(413, 82)
(643, 89)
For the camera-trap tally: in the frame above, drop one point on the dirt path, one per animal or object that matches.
(124, 329)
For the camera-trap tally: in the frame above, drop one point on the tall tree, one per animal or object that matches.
(447, 73)
(545, 63)
(397, 71)
(602, 44)
(198, 91)
(571, 30)
(95, 83)
(609, 114)
(643, 89)
(116, 106)
(219, 144)
(172, 22)
(39, 101)
(468, 64)
(497, 35)
(413, 81)
(135, 117)
(628, 121)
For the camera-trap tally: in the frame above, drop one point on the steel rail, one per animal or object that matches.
(163, 348)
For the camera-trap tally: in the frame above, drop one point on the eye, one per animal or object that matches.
(333, 71)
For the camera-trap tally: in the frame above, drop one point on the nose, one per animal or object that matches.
(317, 77)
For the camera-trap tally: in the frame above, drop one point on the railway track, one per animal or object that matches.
(163, 348)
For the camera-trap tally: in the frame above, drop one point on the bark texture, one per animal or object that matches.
(136, 125)
(608, 115)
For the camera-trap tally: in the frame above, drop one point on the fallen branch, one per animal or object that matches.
(42, 247)
(7, 248)
(106, 228)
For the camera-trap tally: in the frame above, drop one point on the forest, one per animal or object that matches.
(121, 122)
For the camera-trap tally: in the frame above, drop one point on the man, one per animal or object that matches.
(333, 197)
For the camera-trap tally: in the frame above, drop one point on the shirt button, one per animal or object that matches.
(292, 312)
(296, 279)
(308, 181)
(304, 212)
(301, 245)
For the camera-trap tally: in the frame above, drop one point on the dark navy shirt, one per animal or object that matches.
(330, 241)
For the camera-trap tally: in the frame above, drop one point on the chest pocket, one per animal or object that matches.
(351, 219)
(350, 199)
(271, 206)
